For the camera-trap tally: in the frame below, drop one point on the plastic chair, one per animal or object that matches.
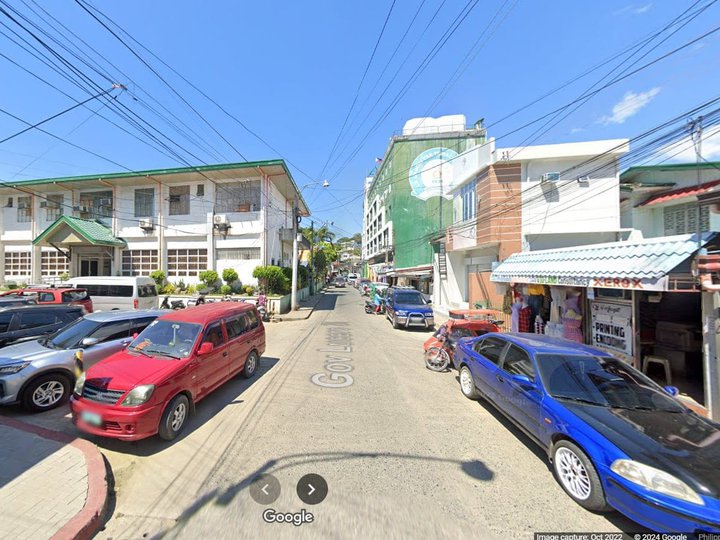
(664, 362)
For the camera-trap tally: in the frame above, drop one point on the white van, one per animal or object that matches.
(108, 292)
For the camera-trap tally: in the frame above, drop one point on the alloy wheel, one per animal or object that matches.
(48, 394)
(466, 382)
(572, 473)
(177, 418)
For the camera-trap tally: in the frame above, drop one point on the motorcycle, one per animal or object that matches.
(174, 304)
(440, 347)
(199, 299)
(262, 310)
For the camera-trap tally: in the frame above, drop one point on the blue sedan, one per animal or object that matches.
(615, 438)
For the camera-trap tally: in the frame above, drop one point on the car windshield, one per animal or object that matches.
(410, 298)
(169, 339)
(603, 381)
(70, 336)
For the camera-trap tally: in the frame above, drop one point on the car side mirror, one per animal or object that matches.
(89, 342)
(429, 300)
(205, 348)
(672, 390)
(522, 380)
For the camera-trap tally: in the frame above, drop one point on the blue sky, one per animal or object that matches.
(290, 70)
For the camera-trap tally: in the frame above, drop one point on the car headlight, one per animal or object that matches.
(79, 384)
(655, 480)
(9, 369)
(138, 395)
(401, 312)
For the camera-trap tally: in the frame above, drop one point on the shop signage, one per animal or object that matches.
(612, 326)
(638, 284)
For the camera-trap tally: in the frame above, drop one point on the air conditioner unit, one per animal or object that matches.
(550, 177)
(43, 204)
(583, 180)
(221, 220)
(146, 224)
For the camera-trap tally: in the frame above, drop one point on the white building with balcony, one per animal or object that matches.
(182, 221)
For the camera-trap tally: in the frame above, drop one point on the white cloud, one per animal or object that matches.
(576, 130)
(684, 149)
(633, 9)
(629, 106)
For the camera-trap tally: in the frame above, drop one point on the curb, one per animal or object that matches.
(320, 296)
(89, 519)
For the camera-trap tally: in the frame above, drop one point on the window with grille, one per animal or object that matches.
(145, 202)
(17, 263)
(237, 197)
(186, 262)
(24, 213)
(139, 262)
(682, 219)
(54, 207)
(179, 200)
(239, 254)
(96, 204)
(53, 263)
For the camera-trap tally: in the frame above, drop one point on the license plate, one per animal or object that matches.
(94, 419)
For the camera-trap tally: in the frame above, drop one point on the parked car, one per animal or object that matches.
(6, 301)
(614, 437)
(40, 374)
(49, 295)
(406, 307)
(111, 292)
(353, 278)
(22, 322)
(150, 387)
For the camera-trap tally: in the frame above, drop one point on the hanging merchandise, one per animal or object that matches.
(508, 301)
(536, 289)
(525, 321)
(515, 317)
(558, 295)
(539, 325)
(572, 319)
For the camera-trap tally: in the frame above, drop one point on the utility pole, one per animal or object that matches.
(293, 296)
(312, 266)
(696, 130)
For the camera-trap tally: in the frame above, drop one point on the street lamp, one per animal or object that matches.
(296, 234)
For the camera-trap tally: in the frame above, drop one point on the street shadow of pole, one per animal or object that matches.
(473, 468)
(227, 395)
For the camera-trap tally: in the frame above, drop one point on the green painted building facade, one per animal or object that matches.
(413, 182)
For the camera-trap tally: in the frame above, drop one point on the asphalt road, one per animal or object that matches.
(403, 453)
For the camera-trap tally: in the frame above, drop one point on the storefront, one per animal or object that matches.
(637, 300)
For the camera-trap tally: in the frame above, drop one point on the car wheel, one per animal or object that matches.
(46, 392)
(578, 476)
(251, 365)
(174, 417)
(467, 384)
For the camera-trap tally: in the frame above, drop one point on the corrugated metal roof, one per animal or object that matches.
(652, 258)
(95, 233)
(690, 191)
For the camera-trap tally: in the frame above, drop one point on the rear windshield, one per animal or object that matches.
(109, 290)
(146, 290)
(74, 296)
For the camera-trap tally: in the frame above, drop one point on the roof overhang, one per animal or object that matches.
(640, 265)
(69, 231)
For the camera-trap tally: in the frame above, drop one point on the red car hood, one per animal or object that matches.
(125, 371)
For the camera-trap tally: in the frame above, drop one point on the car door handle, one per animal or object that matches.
(225, 353)
(500, 378)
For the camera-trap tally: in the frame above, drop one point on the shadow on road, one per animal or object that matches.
(223, 497)
(327, 302)
(225, 396)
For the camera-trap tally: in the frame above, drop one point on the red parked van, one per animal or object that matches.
(180, 358)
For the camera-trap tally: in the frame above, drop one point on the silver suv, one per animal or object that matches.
(40, 374)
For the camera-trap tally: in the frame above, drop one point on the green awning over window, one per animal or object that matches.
(68, 231)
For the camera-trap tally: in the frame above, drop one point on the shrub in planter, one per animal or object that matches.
(209, 278)
(181, 286)
(229, 276)
(158, 276)
(249, 290)
(191, 289)
(225, 290)
(272, 279)
(11, 285)
(237, 287)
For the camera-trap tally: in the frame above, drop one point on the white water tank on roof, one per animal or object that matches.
(441, 124)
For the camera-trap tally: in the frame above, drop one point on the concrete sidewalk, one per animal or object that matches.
(305, 309)
(52, 485)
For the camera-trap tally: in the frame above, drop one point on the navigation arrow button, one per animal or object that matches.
(312, 489)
